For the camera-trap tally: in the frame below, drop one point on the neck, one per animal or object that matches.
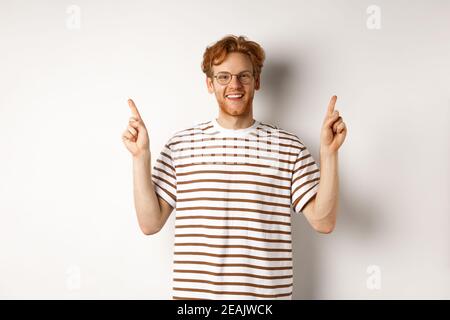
(235, 122)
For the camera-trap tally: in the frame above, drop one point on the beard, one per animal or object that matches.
(236, 108)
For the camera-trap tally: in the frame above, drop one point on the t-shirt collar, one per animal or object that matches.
(234, 132)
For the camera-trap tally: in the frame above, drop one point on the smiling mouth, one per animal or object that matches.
(234, 97)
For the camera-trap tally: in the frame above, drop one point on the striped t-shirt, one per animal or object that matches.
(233, 191)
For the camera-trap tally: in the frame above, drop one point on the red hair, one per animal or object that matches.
(216, 54)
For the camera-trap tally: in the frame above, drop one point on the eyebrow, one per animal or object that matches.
(230, 72)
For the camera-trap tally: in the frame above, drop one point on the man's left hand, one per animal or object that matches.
(333, 131)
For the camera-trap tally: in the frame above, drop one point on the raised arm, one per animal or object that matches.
(152, 211)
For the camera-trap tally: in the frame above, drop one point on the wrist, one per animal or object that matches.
(142, 156)
(327, 153)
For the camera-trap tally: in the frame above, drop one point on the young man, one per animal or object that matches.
(233, 181)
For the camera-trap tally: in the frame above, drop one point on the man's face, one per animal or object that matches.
(235, 63)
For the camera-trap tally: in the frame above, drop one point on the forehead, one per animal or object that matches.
(235, 62)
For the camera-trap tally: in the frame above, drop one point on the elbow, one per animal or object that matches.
(325, 230)
(326, 225)
(148, 231)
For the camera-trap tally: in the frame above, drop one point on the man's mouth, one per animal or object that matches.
(234, 97)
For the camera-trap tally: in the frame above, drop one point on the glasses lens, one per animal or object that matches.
(223, 77)
(245, 77)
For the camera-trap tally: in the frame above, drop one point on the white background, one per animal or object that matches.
(68, 229)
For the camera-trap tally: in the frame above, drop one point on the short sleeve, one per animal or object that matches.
(164, 176)
(305, 179)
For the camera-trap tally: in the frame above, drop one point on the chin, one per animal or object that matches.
(234, 111)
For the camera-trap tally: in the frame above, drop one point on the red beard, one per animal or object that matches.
(235, 108)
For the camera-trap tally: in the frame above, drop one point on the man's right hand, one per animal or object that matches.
(135, 137)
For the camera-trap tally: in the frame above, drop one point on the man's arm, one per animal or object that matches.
(321, 210)
(152, 211)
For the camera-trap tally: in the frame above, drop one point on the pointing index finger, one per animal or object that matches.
(134, 109)
(331, 105)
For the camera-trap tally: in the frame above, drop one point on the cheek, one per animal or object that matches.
(219, 94)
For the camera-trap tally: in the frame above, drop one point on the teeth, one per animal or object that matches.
(235, 95)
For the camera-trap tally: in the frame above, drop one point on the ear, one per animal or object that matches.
(209, 85)
(258, 82)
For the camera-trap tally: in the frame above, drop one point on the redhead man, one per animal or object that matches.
(233, 182)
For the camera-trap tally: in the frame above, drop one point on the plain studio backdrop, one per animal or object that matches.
(68, 229)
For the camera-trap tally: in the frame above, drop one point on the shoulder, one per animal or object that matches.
(280, 133)
(190, 132)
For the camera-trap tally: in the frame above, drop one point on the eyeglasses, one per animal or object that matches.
(225, 77)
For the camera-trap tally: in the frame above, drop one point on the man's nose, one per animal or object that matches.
(235, 82)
